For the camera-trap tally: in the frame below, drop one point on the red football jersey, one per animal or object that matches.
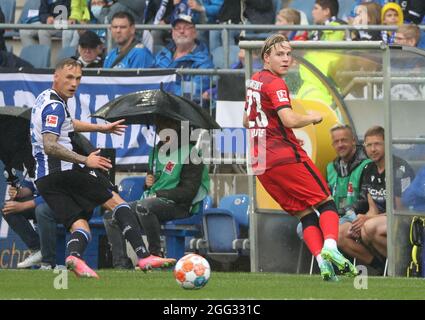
(271, 142)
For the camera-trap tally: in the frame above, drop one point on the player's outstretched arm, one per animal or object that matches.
(114, 127)
(292, 119)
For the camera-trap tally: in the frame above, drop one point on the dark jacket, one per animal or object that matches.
(47, 8)
(152, 9)
(199, 58)
(9, 60)
(230, 12)
(259, 11)
(415, 11)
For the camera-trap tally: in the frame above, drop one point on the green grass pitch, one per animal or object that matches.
(115, 284)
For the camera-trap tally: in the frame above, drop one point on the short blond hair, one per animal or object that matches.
(291, 15)
(68, 62)
(410, 31)
(271, 42)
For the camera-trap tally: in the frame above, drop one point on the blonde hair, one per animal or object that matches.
(271, 42)
(73, 62)
(373, 12)
(290, 15)
(410, 31)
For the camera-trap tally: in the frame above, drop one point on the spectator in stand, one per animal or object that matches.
(133, 7)
(257, 12)
(80, 14)
(391, 15)
(210, 8)
(289, 16)
(367, 13)
(325, 12)
(90, 50)
(99, 10)
(416, 11)
(185, 51)
(407, 35)
(129, 53)
(230, 13)
(205, 11)
(159, 12)
(47, 15)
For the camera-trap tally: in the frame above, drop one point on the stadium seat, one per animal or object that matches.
(222, 228)
(181, 233)
(219, 59)
(131, 188)
(238, 205)
(65, 52)
(8, 8)
(38, 55)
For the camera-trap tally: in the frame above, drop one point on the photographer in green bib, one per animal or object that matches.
(343, 175)
(175, 185)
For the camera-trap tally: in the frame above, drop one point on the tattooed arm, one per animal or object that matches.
(54, 149)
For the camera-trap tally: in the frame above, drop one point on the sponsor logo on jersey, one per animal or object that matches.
(169, 167)
(52, 121)
(282, 95)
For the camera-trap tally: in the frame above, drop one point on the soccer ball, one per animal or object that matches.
(192, 271)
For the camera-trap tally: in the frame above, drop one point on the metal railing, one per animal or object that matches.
(224, 28)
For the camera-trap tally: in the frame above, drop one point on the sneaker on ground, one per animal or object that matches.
(155, 262)
(80, 268)
(344, 265)
(33, 259)
(48, 266)
(327, 271)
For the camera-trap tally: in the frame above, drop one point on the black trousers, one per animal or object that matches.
(151, 213)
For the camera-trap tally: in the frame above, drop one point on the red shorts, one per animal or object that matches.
(295, 186)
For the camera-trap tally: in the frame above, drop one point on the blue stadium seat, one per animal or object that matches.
(180, 233)
(238, 205)
(218, 56)
(38, 55)
(8, 8)
(131, 188)
(222, 228)
(66, 52)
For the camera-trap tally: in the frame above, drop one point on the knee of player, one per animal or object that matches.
(309, 220)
